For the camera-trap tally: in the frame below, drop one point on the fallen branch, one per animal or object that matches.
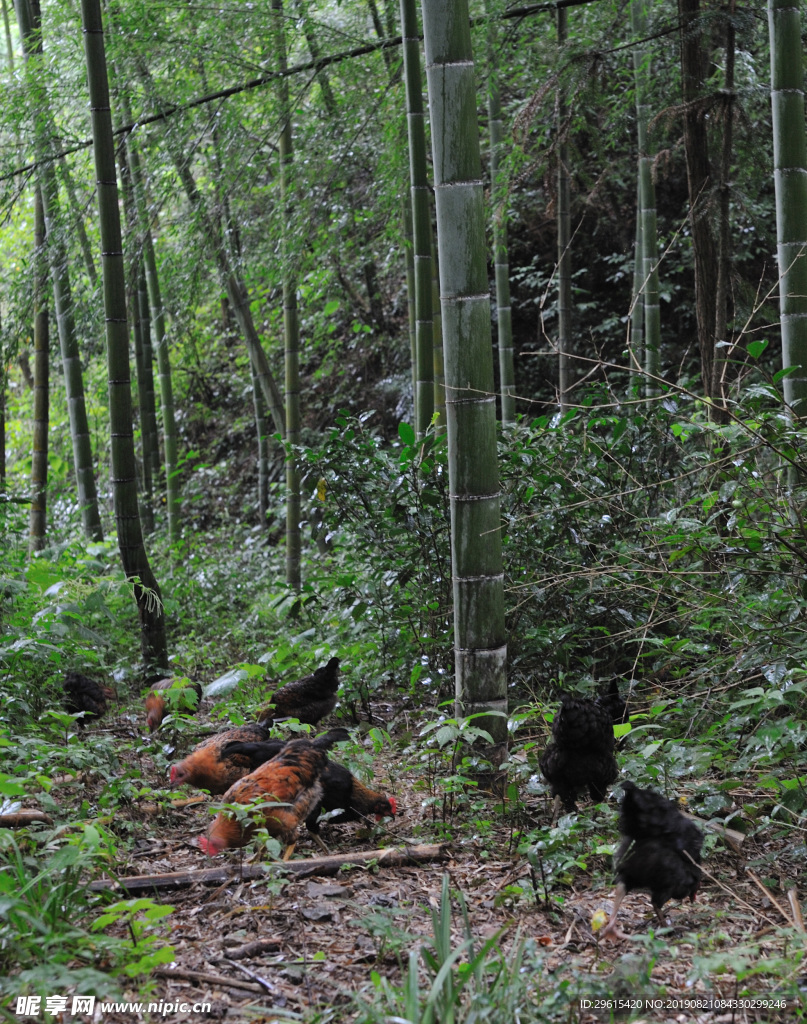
(391, 858)
(267, 985)
(730, 835)
(22, 818)
(212, 979)
(758, 882)
(254, 948)
(793, 900)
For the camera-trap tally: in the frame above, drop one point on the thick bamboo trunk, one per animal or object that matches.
(130, 535)
(476, 555)
(790, 177)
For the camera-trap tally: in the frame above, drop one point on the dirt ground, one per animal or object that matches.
(256, 949)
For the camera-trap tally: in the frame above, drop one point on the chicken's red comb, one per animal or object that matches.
(173, 773)
(209, 847)
(393, 805)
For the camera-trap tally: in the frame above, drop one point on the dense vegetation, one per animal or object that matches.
(645, 536)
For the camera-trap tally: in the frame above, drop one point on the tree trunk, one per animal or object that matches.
(44, 131)
(148, 409)
(39, 460)
(235, 288)
(163, 356)
(421, 218)
(437, 346)
(476, 556)
(409, 256)
(637, 301)
(647, 208)
(565, 370)
(328, 97)
(501, 259)
(722, 346)
(699, 182)
(790, 178)
(78, 221)
(130, 535)
(262, 430)
(291, 327)
(133, 305)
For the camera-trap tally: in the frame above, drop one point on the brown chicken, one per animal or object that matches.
(209, 767)
(292, 779)
(85, 694)
(308, 699)
(341, 790)
(156, 705)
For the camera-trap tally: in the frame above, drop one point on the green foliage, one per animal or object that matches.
(49, 925)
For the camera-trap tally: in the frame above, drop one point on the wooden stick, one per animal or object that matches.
(769, 894)
(793, 900)
(390, 858)
(22, 818)
(212, 979)
(267, 985)
(254, 948)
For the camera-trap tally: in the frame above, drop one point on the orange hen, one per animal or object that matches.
(290, 779)
(156, 703)
(210, 767)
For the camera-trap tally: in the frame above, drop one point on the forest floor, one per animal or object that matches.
(323, 938)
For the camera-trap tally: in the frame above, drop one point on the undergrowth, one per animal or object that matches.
(647, 544)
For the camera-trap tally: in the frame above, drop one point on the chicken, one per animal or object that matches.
(308, 699)
(341, 790)
(85, 694)
(223, 759)
(209, 767)
(581, 754)
(613, 703)
(292, 779)
(156, 703)
(660, 851)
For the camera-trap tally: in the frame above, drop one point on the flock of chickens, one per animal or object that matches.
(291, 782)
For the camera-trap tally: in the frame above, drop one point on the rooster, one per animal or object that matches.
(290, 779)
(341, 790)
(581, 754)
(156, 703)
(308, 699)
(209, 767)
(85, 694)
(660, 851)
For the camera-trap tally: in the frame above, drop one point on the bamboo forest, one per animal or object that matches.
(403, 511)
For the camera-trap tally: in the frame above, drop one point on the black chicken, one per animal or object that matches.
(613, 703)
(581, 755)
(81, 693)
(660, 851)
(308, 699)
